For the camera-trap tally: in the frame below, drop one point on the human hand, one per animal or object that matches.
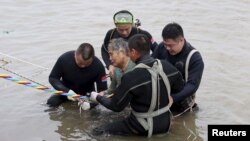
(111, 70)
(102, 93)
(170, 98)
(93, 96)
(71, 95)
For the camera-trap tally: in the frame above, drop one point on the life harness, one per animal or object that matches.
(190, 100)
(146, 119)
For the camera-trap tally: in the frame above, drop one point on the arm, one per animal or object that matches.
(195, 72)
(177, 83)
(101, 80)
(113, 83)
(121, 97)
(105, 56)
(104, 49)
(55, 77)
(160, 52)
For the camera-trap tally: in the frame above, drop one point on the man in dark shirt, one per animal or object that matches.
(125, 29)
(146, 89)
(187, 60)
(76, 72)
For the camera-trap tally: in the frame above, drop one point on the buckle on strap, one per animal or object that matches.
(153, 114)
(148, 124)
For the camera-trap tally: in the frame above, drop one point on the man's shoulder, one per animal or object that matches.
(67, 54)
(145, 32)
(189, 48)
(97, 62)
(109, 32)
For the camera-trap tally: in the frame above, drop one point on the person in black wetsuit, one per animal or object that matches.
(125, 28)
(76, 72)
(147, 89)
(187, 60)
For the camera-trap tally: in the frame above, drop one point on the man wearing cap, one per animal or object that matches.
(125, 29)
(76, 72)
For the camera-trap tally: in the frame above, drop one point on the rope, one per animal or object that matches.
(4, 68)
(40, 87)
(21, 76)
(23, 61)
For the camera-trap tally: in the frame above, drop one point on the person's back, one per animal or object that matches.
(125, 29)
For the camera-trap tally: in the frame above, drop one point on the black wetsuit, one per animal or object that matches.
(66, 75)
(138, 93)
(195, 71)
(113, 33)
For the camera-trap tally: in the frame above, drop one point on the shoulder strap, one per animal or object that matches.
(157, 69)
(187, 63)
(111, 35)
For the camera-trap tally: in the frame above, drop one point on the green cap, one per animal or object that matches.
(123, 18)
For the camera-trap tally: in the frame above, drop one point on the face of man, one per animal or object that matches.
(117, 57)
(81, 62)
(124, 29)
(174, 46)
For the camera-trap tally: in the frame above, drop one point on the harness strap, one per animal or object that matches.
(111, 35)
(153, 114)
(146, 119)
(187, 63)
(192, 100)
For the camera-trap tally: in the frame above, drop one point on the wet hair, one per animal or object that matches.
(86, 50)
(140, 43)
(172, 31)
(119, 44)
(123, 11)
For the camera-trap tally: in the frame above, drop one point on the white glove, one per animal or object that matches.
(93, 96)
(84, 105)
(71, 95)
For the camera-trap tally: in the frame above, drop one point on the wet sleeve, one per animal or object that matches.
(105, 56)
(101, 81)
(104, 50)
(177, 82)
(55, 77)
(121, 97)
(195, 72)
(160, 52)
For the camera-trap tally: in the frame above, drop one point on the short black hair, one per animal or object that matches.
(172, 31)
(123, 11)
(140, 43)
(86, 50)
